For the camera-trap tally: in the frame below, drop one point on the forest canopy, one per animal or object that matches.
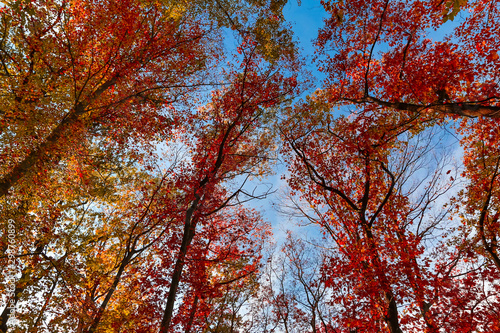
(133, 132)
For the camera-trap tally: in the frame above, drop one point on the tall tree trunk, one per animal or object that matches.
(51, 144)
(189, 231)
(104, 304)
(392, 319)
(192, 315)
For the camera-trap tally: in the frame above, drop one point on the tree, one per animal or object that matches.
(300, 289)
(379, 54)
(91, 90)
(396, 83)
(226, 149)
(310, 290)
(73, 72)
(359, 171)
(129, 136)
(228, 314)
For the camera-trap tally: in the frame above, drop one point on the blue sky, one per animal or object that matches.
(306, 20)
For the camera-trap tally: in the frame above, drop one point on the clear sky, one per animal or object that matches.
(306, 20)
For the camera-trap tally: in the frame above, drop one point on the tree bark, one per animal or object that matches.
(51, 144)
(189, 231)
(463, 109)
(104, 304)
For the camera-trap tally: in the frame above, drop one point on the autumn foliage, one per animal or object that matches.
(132, 136)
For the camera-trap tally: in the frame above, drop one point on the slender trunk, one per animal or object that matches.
(392, 317)
(313, 321)
(51, 144)
(37, 154)
(487, 246)
(189, 231)
(45, 304)
(104, 304)
(414, 275)
(482, 218)
(191, 315)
